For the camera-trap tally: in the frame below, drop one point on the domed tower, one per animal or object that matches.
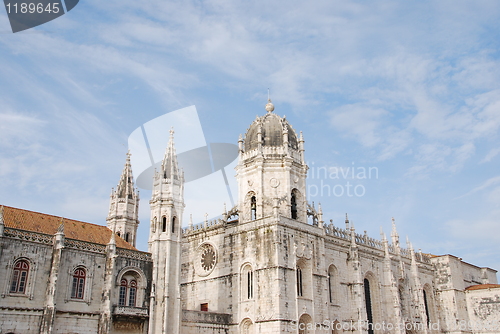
(271, 171)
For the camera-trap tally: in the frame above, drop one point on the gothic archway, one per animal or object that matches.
(305, 324)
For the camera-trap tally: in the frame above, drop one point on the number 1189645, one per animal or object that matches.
(31, 7)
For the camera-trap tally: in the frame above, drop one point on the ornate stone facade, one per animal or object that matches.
(271, 264)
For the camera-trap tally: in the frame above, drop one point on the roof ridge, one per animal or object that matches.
(48, 214)
(74, 229)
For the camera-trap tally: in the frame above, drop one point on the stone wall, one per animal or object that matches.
(483, 307)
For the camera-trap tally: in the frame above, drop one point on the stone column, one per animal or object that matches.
(49, 311)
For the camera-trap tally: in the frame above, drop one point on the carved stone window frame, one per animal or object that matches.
(30, 283)
(87, 289)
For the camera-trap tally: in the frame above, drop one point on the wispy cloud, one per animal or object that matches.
(487, 184)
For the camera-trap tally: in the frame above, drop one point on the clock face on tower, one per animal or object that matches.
(207, 259)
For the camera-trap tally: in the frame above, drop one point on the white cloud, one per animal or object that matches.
(360, 122)
(491, 154)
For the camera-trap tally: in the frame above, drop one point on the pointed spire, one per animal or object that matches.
(60, 229)
(190, 221)
(59, 236)
(169, 166)
(390, 287)
(395, 235)
(320, 216)
(408, 244)
(385, 243)
(112, 242)
(418, 297)
(346, 222)
(394, 230)
(353, 235)
(125, 188)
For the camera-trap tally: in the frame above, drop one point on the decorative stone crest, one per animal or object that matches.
(274, 182)
(303, 250)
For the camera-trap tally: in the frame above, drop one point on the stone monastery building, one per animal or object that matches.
(265, 267)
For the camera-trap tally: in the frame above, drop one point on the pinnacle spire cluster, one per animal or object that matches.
(125, 186)
(170, 166)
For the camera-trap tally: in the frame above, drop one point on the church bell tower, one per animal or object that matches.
(167, 206)
(271, 171)
(124, 206)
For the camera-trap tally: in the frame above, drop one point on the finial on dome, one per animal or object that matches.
(269, 105)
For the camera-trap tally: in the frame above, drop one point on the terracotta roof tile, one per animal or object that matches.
(482, 286)
(48, 224)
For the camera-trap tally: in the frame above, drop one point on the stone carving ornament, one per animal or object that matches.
(206, 259)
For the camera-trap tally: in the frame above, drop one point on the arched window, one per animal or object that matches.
(164, 225)
(173, 224)
(78, 287)
(123, 292)
(368, 303)
(332, 283)
(305, 324)
(294, 206)
(426, 308)
(300, 288)
(127, 237)
(253, 208)
(132, 293)
(247, 282)
(118, 233)
(247, 326)
(19, 277)
(330, 292)
(250, 284)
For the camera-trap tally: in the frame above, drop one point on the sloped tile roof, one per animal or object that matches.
(482, 286)
(48, 224)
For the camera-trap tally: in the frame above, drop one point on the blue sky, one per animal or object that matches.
(409, 89)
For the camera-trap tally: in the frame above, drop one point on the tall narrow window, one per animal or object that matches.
(132, 293)
(127, 237)
(78, 287)
(294, 206)
(253, 208)
(173, 224)
(426, 308)
(250, 284)
(330, 288)
(332, 283)
(123, 292)
(164, 225)
(368, 303)
(299, 282)
(19, 277)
